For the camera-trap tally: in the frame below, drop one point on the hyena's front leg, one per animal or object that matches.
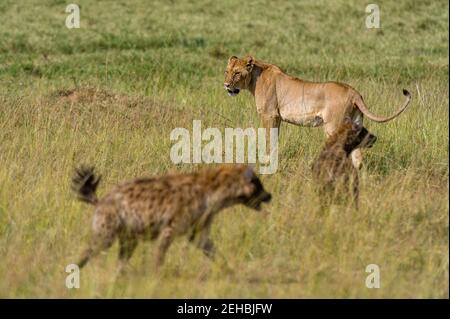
(205, 243)
(357, 158)
(207, 246)
(127, 245)
(165, 239)
(200, 235)
(355, 189)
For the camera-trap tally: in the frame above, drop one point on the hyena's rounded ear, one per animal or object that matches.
(249, 171)
(357, 123)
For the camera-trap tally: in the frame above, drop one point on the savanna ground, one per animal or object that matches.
(110, 93)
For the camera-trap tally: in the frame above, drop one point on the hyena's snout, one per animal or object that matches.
(372, 140)
(266, 197)
(257, 200)
(258, 196)
(368, 141)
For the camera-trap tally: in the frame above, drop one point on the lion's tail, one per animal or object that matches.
(358, 101)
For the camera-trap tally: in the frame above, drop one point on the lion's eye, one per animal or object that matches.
(237, 74)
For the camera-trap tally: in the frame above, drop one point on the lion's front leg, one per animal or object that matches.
(268, 123)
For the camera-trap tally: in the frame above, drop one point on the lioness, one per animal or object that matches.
(280, 97)
(163, 207)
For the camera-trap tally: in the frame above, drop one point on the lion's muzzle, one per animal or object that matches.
(231, 90)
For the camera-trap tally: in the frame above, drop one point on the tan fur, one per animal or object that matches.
(333, 170)
(164, 207)
(280, 97)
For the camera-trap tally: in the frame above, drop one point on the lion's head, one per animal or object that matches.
(238, 74)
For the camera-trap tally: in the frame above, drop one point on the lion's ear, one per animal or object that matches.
(250, 61)
(232, 58)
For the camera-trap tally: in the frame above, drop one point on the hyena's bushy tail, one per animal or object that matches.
(85, 183)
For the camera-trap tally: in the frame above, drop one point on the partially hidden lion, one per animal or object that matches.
(281, 97)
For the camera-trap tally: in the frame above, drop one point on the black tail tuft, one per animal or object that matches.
(406, 93)
(85, 183)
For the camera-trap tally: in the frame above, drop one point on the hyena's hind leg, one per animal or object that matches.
(105, 228)
(165, 239)
(97, 245)
(355, 189)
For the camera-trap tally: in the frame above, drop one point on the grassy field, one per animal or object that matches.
(110, 93)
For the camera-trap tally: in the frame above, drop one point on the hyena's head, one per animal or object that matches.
(238, 74)
(243, 186)
(255, 192)
(354, 135)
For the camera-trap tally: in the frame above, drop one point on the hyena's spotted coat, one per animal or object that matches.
(333, 169)
(164, 207)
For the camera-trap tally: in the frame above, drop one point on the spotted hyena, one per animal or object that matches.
(161, 208)
(333, 169)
